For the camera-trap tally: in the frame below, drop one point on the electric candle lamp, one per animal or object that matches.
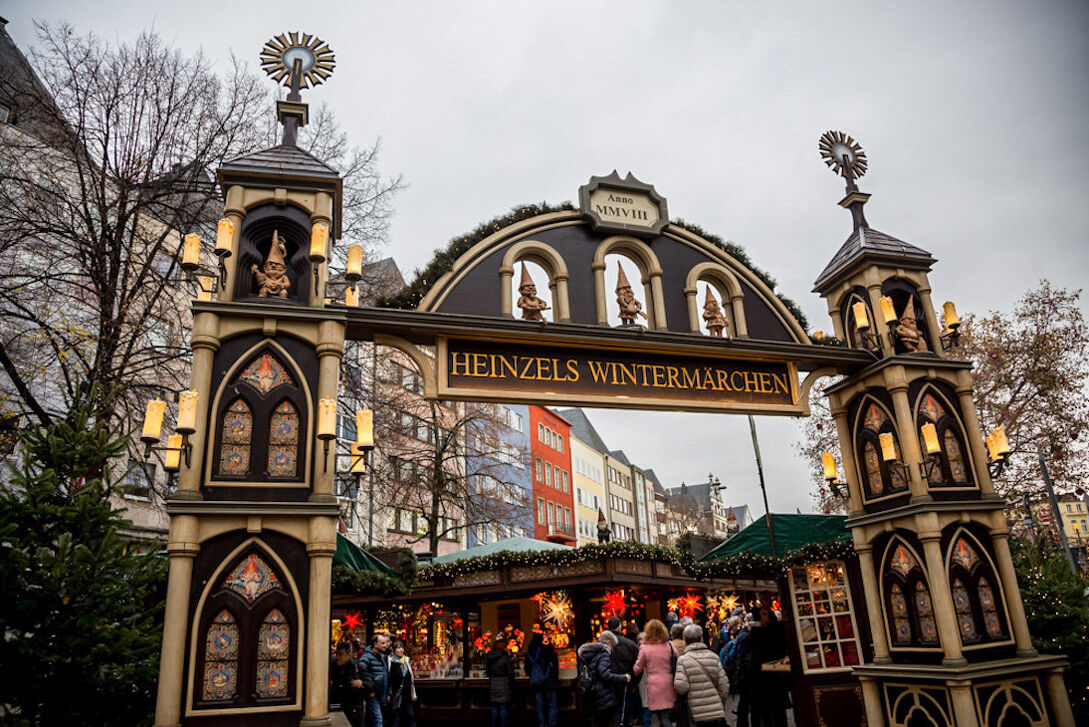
(1001, 444)
(888, 310)
(861, 319)
(819, 335)
(204, 288)
(930, 438)
(319, 235)
(351, 297)
(187, 412)
(153, 421)
(359, 460)
(173, 452)
(355, 263)
(327, 418)
(224, 237)
(992, 448)
(888, 447)
(952, 320)
(829, 463)
(364, 428)
(190, 252)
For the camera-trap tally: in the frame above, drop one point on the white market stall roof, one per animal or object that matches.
(513, 545)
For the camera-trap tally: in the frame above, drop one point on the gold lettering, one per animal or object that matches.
(750, 381)
(659, 375)
(765, 382)
(525, 369)
(781, 383)
(643, 371)
(733, 381)
(612, 373)
(543, 373)
(627, 372)
(456, 360)
(673, 375)
(480, 364)
(722, 377)
(505, 364)
(597, 370)
(689, 380)
(572, 370)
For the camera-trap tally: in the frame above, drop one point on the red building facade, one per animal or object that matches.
(553, 486)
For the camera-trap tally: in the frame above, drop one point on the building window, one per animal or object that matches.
(221, 658)
(237, 430)
(538, 468)
(548, 474)
(976, 602)
(566, 482)
(551, 514)
(880, 478)
(137, 483)
(541, 511)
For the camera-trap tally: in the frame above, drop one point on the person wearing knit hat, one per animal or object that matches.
(530, 304)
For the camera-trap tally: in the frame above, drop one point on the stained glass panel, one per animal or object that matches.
(955, 457)
(274, 641)
(990, 611)
(897, 474)
(901, 625)
(252, 578)
(274, 637)
(965, 555)
(873, 469)
(272, 678)
(221, 641)
(234, 459)
(931, 408)
(283, 448)
(265, 373)
(874, 418)
(966, 622)
(928, 631)
(237, 423)
(220, 680)
(902, 560)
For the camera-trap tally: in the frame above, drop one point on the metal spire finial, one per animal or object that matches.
(845, 157)
(298, 60)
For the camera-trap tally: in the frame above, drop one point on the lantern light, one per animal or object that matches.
(173, 453)
(888, 310)
(992, 448)
(327, 419)
(351, 297)
(187, 412)
(355, 263)
(930, 438)
(952, 320)
(190, 252)
(205, 285)
(819, 335)
(153, 421)
(359, 460)
(224, 238)
(364, 428)
(862, 321)
(319, 236)
(829, 463)
(888, 447)
(1001, 443)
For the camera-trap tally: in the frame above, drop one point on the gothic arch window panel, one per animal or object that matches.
(909, 609)
(262, 431)
(953, 466)
(248, 653)
(852, 315)
(976, 593)
(879, 478)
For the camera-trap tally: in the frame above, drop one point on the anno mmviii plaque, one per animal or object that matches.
(626, 206)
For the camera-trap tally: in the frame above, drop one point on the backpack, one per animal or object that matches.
(538, 677)
(730, 663)
(585, 679)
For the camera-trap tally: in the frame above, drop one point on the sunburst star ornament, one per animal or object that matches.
(843, 154)
(312, 56)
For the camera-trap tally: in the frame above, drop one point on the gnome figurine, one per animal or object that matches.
(908, 332)
(603, 532)
(630, 308)
(717, 325)
(272, 278)
(528, 301)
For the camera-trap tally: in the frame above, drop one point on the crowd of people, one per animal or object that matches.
(373, 685)
(670, 674)
(677, 675)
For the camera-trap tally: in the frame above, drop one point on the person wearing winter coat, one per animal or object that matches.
(401, 710)
(623, 661)
(349, 685)
(500, 671)
(375, 661)
(676, 636)
(700, 676)
(656, 656)
(606, 685)
(542, 668)
(767, 643)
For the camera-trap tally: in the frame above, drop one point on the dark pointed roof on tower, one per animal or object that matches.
(287, 161)
(869, 245)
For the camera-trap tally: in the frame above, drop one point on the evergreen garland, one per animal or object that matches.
(443, 261)
(347, 580)
(827, 341)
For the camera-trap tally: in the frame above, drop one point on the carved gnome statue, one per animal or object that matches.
(528, 301)
(630, 308)
(712, 315)
(272, 278)
(603, 532)
(908, 332)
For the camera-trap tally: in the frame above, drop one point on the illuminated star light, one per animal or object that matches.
(352, 621)
(615, 602)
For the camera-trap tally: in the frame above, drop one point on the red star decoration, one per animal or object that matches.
(351, 620)
(615, 603)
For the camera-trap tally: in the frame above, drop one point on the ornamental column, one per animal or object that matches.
(205, 343)
(321, 550)
(330, 349)
(909, 442)
(941, 599)
(874, 603)
(1010, 591)
(182, 550)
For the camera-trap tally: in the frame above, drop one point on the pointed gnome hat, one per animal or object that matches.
(276, 250)
(526, 280)
(710, 297)
(621, 278)
(600, 517)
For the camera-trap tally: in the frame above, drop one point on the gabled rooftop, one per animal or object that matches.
(287, 161)
(866, 243)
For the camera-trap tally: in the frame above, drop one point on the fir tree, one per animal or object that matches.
(81, 610)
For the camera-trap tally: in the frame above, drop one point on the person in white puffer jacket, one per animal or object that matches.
(700, 676)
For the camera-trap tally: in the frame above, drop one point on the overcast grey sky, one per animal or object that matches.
(973, 115)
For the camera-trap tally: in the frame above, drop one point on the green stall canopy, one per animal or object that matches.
(351, 555)
(792, 532)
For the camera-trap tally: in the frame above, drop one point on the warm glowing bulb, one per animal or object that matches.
(355, 263)
(992, 448)
(351, 297)
(224, 237)
(153, 420)
(930, 438)
(819, 335)
(319, 236)
(1001, 444)
(173, 452)
(952, 320)
(829, 463)
(205, 286)
(888, 310)
(364, 428)
(888, 447)
(190, 252)
(861, 319)
(187, 412)
(327, 418)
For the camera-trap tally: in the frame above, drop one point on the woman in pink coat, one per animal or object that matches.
(656, 659)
